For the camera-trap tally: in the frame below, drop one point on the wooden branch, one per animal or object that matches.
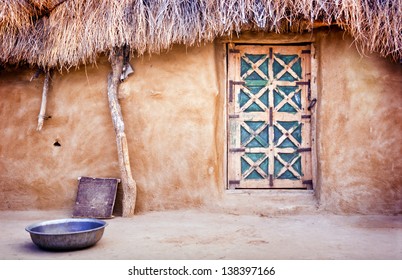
(42, 112)
(127, 181)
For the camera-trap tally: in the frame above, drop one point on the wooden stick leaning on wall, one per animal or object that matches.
(127, 181)
(42, 113)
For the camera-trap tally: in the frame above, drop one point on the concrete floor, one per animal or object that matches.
(204, 234)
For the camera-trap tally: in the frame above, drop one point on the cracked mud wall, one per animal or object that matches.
(173, 107)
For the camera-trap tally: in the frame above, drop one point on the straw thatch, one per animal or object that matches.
(65, 33)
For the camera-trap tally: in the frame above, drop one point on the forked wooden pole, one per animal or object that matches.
(127, 181)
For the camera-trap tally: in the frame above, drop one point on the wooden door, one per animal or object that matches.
(269, 117)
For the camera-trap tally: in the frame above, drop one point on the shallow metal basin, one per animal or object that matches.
(66, 234)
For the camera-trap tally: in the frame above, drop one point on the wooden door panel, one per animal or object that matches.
(268, 117)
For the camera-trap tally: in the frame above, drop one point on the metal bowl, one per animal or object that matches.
(66, 234)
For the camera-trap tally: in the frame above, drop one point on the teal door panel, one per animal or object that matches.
(269, 133)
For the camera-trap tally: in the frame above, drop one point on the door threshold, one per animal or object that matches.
(268, 203)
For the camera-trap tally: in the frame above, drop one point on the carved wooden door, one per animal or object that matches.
(269, 117)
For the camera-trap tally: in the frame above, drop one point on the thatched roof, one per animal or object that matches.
(65, 33)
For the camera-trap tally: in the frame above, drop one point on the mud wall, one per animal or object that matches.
(169, 109)
(359, 129)
(169, 106)
(36, 172)
(173, 107)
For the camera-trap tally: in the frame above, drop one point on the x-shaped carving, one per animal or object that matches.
(287, 99)
(254, 98)
(255, 135)
(288, 166)
(255, 166)
(254, 67)
(287, 68)
(287, 134)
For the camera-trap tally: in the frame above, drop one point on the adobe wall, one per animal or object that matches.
(360, 129)
(36, 174)
(173, 106)
(169, 110)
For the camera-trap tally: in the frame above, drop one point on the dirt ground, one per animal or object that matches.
(203, 234)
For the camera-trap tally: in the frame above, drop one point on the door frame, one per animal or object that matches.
(224, 44)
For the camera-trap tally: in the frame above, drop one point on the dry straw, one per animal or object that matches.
(66, 33)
